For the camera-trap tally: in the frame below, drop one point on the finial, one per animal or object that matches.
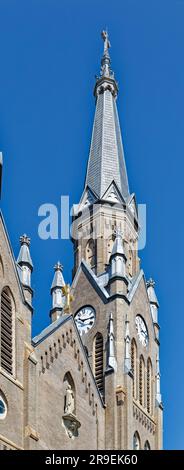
(58, 266)
(24, 239)
(105, 62)
(106, 74)
(111, 359)
(127, 363)
(107, 44)
(150, 283)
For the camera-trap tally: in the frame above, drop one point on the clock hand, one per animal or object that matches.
(80, 321)
(88, 321)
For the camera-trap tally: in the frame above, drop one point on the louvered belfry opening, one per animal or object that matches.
(6, 340)
(99, 362)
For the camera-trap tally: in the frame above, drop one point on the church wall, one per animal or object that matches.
(51, 372)
(12, 385)
(11, 428)
(143, 422)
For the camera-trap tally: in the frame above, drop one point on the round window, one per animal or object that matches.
(3, 408)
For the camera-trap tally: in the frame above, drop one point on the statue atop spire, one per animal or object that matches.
(107, 44)
(106, 61)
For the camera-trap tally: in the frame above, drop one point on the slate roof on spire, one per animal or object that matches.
(106, 160)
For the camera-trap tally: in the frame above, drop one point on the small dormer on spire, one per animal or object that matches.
(25, 266)
(58, 298)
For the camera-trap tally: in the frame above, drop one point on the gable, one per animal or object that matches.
(132, 205)
(86, 279)
(139, 302)
(87, 198)
(60, 353)
(113, 194)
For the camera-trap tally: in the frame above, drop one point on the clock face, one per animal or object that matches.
(85, 319)
(142, 331)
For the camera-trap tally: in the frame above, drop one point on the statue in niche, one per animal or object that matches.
(69, 401)
(70, 421)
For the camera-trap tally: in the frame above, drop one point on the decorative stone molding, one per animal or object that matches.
(120, 396)
(143, 418)
(8, 444)
(11, 378)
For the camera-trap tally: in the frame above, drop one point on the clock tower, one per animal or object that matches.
(115, 308)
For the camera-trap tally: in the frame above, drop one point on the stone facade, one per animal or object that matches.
(90, 381)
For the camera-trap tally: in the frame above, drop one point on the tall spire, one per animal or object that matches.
(106, 160)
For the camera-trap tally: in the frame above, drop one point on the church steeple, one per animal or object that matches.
(106, 194)
(106, 160)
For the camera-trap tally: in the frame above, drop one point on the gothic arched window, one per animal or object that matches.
(141, 381)
(98, 362)
(134, 366)
(90, 253)
(136, 441)
(147, 446)
(3, 406)
(6, 332)
(69, 394)
(149, 386)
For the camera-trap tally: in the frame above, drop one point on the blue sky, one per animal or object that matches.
(50, 51)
